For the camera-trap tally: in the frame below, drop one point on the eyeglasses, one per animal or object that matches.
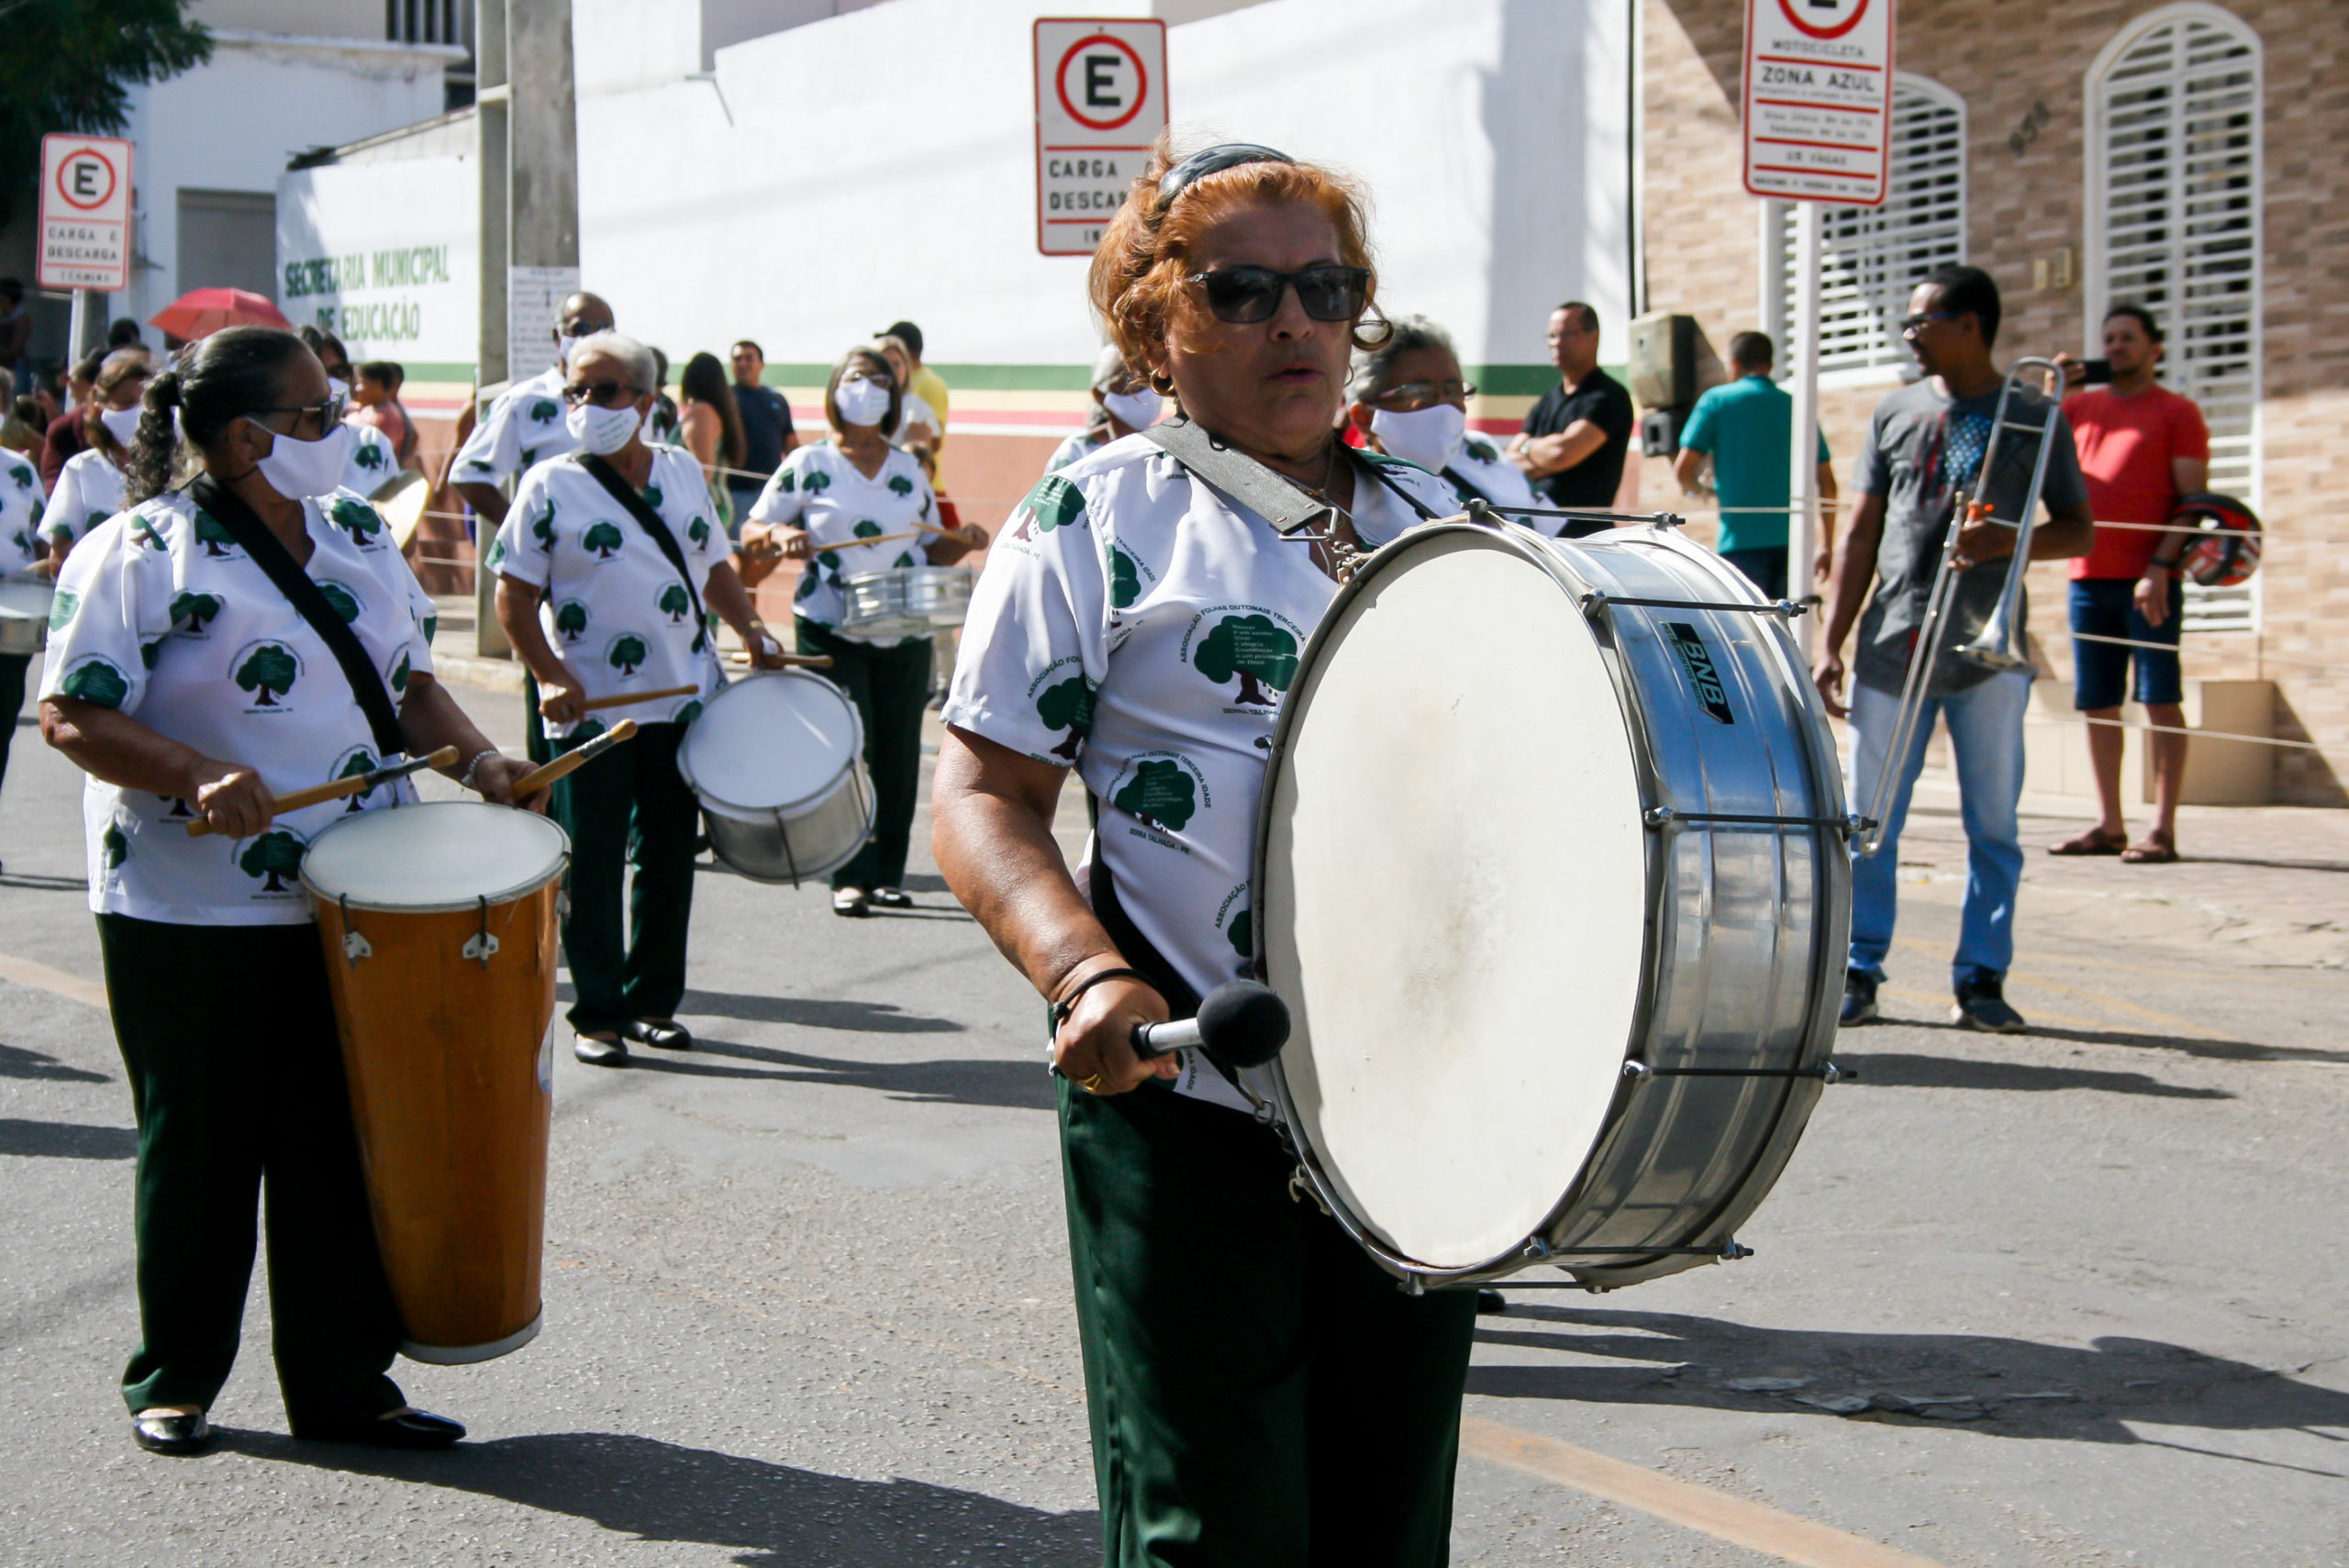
(1912, 325)
(1244, 295)
(1413, 396)
(603, 393)
(327, 415)
(878, 378)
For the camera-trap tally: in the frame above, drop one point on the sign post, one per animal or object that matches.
(1818, 122)
(85, 221)
(1101, 105)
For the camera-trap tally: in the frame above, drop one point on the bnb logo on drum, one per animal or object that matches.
(1697, 660)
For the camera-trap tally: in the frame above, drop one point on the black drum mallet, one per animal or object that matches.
(1241, 1024)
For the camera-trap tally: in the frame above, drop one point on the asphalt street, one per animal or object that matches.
(2068, 1298)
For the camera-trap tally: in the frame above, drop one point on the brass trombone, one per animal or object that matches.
(1999, 645)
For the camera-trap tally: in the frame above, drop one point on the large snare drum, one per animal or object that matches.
(24, 615)
(778, 763)
(438, 923)
(1555, 882)
(918, 598)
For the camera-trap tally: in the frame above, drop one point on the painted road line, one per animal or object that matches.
(1757, 1527)
(42, 977)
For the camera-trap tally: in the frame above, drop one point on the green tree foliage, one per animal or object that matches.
(195, 610)
(216, 539)
(603, 539)
(570, 619)
(345, 603)
(675, 603)
(628, 651)
(1253, 649)
(65, 65)
(1160, 795)
(355, 517)
(275, 856)
(1125, 579)
(269, 674)
(97, 682)
(1068, 705)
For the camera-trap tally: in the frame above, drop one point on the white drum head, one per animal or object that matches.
(446, 854)
(1455, 889)
(22, 596)
(771, 742)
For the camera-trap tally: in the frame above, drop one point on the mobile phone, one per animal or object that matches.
(2099, 372)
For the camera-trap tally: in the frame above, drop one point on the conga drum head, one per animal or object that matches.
(446, 854)
(771, 742)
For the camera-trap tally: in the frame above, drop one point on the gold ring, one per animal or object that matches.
(1091, 1085)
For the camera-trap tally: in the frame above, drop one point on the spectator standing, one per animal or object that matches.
(709, 427)
(1576, 437)
(1926, 444)
(767, 434)
(927, 384)
(1748, 430)
(125, 333)
(2143, 447)
(70, 434)
(16, 330)
(376, 404)
(920, 427)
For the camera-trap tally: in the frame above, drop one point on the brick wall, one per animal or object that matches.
(2006, 59)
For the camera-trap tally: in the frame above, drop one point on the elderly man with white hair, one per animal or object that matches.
(611, 566)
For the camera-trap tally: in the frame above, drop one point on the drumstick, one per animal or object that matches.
(624, 698)
(529, 783)
(358, 784)
(800, 660)
(852, 543)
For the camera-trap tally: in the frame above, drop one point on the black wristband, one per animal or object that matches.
(1067, 1004)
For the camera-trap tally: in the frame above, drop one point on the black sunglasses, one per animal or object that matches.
(1246, 295)
(1912, 325)
(603, 393)
(328, 414)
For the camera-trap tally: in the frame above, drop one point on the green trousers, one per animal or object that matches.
(1262, 1395)
(12, 700)
(628, 810)
(889, 682)
(228, 1040)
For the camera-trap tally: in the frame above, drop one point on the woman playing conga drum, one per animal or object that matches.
(1261, 1394)
(188, 680)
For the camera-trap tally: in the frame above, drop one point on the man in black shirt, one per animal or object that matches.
(767, 434)
(1576, 437)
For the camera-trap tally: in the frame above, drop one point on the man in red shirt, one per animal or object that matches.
(2141, 447)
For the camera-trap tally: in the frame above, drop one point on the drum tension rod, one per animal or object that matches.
(481, 945)
(354, 946)
(1790, 608)
(1826, 1072)
(1665, 816)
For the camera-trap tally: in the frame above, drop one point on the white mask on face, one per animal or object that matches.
(862, 402)
(603, 430)
(1428, 437)
(296, 469)
(563, 346)
(122, 424)
(1134, 410)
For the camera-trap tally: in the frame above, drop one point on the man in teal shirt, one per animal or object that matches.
(1747, 428)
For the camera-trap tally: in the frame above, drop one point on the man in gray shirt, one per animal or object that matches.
(1925, 448)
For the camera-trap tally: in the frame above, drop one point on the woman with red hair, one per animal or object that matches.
(1261, 1394)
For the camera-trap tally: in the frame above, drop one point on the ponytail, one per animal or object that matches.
(152, 450)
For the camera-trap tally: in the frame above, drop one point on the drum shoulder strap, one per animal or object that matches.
(266, 550)
(1242, 479)
(652, 523)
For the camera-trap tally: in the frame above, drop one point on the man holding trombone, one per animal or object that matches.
(1954, 469)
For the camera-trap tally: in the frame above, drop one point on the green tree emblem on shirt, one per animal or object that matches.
(697, 531)
(1053, 504)
(355, 517)
(627, 653)
(900, 485)
(1251, 647)
(358, 766)
(1242, 934)
(571, 620)
(808, 578)
(194, 611)
(60, 610)
(21, 474)
(1125, 579)
(674, 604)
(1160, 796)
(345, 602)
(97, 682)
(26, 543)
(150, 652)
(368, 455)
(866, 529)
(1481, 449)
(686, 713)
(429, 626)
(217, 541)
(905, 560)
(1068, 705)
(269, 672)
(398, 681)
(115, 846)
(652, 497)
(603, 541)
(273, 857)
(496, 556)
(818, 482)
(543, 526)
(785, 482)
(543, 411)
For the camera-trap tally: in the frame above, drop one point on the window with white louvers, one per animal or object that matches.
(2172, 188)
(1870, 258)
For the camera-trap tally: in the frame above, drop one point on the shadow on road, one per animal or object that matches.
(2022, 1388)
(1012, 1085)
(774, 1513)
(815, 1013)
(2186, 1045)
(65, 1141)
(16, 1062)
(1905, 1072)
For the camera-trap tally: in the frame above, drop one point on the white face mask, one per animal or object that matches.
(122, 424)
(603, 430)
(1428, 437)
(296, 469)
(1134, 410)
(862, 402)
(563, 346)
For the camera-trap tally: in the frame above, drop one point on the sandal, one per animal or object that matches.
(2095, 841)
(2155, 849)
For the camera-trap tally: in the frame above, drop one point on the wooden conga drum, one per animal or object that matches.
(439, 922)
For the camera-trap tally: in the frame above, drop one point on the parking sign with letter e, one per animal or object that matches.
(1101, 105)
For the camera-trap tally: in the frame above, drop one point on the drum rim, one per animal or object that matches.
(508, 895)
(1545, 553)
(713, 800)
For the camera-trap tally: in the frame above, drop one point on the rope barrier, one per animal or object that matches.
(2213, 652)
(2197, 734)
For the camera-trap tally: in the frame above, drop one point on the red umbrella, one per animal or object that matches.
(199, 313)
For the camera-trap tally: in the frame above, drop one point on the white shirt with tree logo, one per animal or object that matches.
(160, 615)
(371, 463)
(611, 604)
(21, 546)
(820, 491)
(1131, 625)
(89, 491)
(523, 428)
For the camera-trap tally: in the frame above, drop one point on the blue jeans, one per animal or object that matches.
(1765, 567)
(1986, 735)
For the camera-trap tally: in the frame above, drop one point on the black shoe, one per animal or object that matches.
(671, 1036)
(892, 898)
(1859, 998)
(598, 1052)
(851, 903)
(410, 1429)
(171, 1434)
(1982, 1005)
(1491, 1304)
